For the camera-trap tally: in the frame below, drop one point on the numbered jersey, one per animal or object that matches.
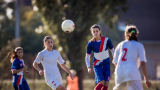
(127, 56)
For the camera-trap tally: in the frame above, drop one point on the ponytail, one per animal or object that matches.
(12, 55)
(132, 36)
(131, 32)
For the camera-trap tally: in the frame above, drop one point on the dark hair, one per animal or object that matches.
(13, 54)
(45, 39)
(131, 32)
(95, 26)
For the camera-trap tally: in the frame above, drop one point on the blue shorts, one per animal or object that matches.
(22, 86)
(101, 73)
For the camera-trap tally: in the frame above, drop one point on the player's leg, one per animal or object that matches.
(18, 87)
(134, 85)
(121, 86)
(25, 84)
(60, 87)
(106, 73)
(99, 78)
(55, 84)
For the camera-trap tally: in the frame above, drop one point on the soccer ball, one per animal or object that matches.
(68, 26)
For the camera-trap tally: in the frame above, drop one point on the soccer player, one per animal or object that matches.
(18, 66)
(128, 56)
(101, 62)
(49, 58)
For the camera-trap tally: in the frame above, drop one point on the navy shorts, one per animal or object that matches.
(101, 73)
(22, 86)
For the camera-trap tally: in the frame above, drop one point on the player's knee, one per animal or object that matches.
(60, 87)
(106, 83)
(102, 82)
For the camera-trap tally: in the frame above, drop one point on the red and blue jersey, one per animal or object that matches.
(100, 51)
(17, 64)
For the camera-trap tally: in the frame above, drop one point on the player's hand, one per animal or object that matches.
(25, 67)
(41, 72)
(27, 72)
(71, 76)
(90, 70)
(148, 83)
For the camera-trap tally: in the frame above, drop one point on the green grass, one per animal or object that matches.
(87, 84)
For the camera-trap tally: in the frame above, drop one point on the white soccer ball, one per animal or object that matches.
(68, 26)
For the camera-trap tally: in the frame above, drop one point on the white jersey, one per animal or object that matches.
(49, 61)
(127, 56)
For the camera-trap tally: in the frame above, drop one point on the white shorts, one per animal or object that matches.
(130, 85)
(54, 82)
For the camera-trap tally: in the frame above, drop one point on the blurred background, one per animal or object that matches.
(26, 22)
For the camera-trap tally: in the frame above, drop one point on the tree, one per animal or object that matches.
(84, 13)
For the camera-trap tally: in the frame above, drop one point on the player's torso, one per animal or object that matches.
(18, 77)
(127, 62)
(128, 52)
(20, 66)
(100, 51)
(49, 63)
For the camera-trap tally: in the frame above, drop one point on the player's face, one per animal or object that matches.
(49, 44)
(95, 32)
(20, 53)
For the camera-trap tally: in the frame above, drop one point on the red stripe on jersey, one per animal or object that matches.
(102, 43)
(88, 53)
(19, 79)
(95, 62)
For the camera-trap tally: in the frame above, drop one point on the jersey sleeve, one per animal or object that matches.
(141, 53)
(39, 58)
(14, 65)
(23, 62)
(109, 44)
(60, 59)
(116, 54)
(89, 48)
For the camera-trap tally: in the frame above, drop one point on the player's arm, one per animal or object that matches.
(19, 70)
(142, 56)
(144, 70)
(38, 59)
(35, 65)
(115, 56)
(110, 45)
(87, 58)
(63, 66)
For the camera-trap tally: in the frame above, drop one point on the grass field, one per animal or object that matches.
(88, 85)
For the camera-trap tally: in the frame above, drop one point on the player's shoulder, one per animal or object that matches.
(139, 44)
(55, 51)
(42, 52)
(16, 60)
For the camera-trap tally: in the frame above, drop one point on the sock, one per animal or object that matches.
(105, 88)
(99, 87)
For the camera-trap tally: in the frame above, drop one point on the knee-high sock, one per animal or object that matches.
(99, 87)
(105, 88)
